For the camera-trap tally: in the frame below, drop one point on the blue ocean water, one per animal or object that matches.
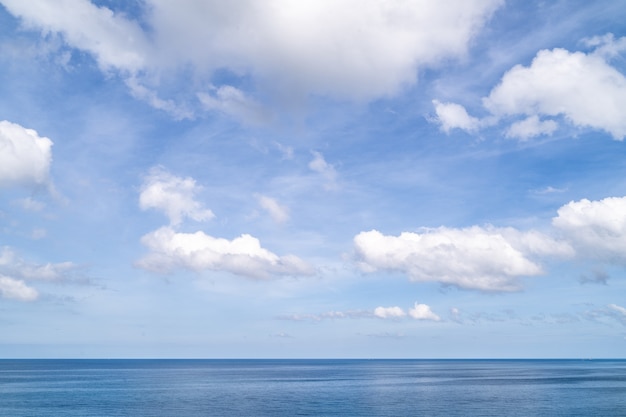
(189, 388)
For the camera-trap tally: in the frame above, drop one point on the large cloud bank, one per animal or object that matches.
(487, 259)
(350, 49)
(495, 259)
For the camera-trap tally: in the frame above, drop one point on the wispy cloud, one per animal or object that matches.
(278, 212)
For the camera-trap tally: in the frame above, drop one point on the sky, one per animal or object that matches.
(312, 179)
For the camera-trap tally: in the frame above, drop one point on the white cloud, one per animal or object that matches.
(16, 289)
(326, 170)
(13, 265)
(423, 312)
(113, 40)
(582, 87)
(494, 259)
(234, 102)
(198, 251)
(389, 312)
(286, 151)
(37, 234)
(418, 312)
(596, 228)
(16, 274)
(363, 49)
(535, 243)
(617, 312)
(179, 111)
(172, 195)
(606, 45)
(531, 127)
(486, 259)
(349, 49)
(454, 116)
(548, 190)
(455, 315)
(30, 204)
(279, 213)
(329, 315)
(25, 157)
(619, 309)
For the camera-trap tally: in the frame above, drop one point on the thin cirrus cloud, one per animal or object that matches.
(278, 212)
(417, 312)
(364, 49)
(18, 275)
(326, 170)
(582, 88)
(617, 312)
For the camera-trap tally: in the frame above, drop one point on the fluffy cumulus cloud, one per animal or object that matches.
(350, 49)
(583, 88)
(493, 259)
(175, 196)
(454, 116)
(25, 157)
(597, 229)
(170, 250)
(423, 312)
(486, 259)
(363, 49)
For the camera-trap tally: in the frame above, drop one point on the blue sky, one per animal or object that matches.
(312, 178)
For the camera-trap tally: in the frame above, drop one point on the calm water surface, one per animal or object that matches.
(189, 388)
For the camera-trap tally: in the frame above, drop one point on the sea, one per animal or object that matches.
(355, 387)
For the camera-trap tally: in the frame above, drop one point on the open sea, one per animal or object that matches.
(189, 388)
